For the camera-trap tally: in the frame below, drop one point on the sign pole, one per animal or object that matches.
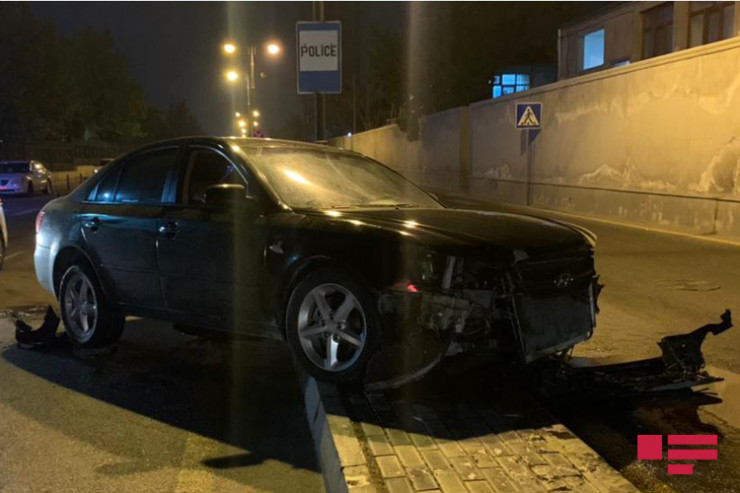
(319, 102)
(529, 167)
(528, 117)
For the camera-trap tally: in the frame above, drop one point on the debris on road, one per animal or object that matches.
(44, 337)
(680, 366)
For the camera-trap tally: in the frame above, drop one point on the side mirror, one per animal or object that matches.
(227, 195)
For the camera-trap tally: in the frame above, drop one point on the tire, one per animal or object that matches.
(47, 188)
(330, 345)
(29, 189)
(93, 324)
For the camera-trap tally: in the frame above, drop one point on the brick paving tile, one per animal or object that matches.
(435, 459)
(450, 448)
(409, 456)
(533, 459)
(389, 466)
(371, 429)
(515, 468)
(580, 485)
(562, 465)
(398, 485)
(450, 482)
(484, 460)
(494, 445)
(422, 441)
(465, 467)
(498, 478)
(479, 487)
(379, 445)
(422, 478)
(398, 437)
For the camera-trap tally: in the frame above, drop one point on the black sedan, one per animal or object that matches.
(347, 260)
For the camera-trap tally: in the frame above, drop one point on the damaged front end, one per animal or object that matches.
(521, 312)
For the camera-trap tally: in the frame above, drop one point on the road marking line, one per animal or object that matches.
(23, 212)
(14, 255)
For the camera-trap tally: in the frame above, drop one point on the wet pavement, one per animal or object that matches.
(161, 411)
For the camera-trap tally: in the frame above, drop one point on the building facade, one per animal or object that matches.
(628, 32)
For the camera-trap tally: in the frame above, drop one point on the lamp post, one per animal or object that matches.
(273, 49)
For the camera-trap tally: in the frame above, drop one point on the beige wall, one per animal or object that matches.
(655, 142)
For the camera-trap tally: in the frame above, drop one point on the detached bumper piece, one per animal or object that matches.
(680, 366)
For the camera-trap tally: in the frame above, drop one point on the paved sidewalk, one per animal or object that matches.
(457, 431)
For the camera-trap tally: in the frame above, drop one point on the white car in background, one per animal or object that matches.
(3, 235)
(24, 177)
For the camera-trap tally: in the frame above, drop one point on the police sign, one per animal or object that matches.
(319, 49)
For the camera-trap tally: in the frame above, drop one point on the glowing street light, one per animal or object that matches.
(255, 113)
(273, 49)
(229, 48)
(232, 75)
(242, 123)
(237, 114)
(256, 123)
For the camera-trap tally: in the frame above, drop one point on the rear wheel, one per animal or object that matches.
(332, 325)
(87, 314)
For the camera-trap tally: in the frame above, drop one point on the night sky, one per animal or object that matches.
(173, 49)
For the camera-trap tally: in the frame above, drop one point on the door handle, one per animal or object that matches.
(93, 224)
(169, 230)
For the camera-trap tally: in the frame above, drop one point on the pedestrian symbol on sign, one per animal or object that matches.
(528, 115)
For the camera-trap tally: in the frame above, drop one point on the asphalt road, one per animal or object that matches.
(657, 284)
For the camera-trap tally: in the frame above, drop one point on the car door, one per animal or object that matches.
(119, 225)
(210, 259)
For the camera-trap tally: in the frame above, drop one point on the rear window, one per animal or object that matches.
(21, 167)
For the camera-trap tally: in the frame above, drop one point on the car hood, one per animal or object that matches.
(456, 229)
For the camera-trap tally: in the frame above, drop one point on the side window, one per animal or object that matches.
(206, 168)
(142, 177)
(107, 187)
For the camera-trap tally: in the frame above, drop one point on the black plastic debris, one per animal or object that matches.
(44, 337)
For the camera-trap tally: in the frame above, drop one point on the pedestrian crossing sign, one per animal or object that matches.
(528, 115)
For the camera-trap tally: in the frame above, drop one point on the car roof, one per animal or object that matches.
(244, 142)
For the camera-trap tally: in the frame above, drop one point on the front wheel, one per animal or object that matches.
(332, 325)
(87, 314)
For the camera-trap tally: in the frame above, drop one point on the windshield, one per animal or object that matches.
(18, 167)
(321, 180)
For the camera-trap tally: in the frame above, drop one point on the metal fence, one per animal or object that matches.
(61, 156)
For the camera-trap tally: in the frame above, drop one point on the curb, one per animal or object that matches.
(338, 448)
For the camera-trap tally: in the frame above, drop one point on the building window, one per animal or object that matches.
(710, 22)
(504, 84)
(657, 30)
(593, 49)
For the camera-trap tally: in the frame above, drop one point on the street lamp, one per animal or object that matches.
(237, 114)
(273, 49)
(242, 123)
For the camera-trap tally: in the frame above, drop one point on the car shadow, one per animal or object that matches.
(240, 399)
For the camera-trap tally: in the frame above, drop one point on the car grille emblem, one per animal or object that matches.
(563, 280)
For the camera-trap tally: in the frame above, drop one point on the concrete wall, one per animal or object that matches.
(656, 142)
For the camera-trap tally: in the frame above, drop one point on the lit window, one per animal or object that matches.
(593, 49)
(509, 84)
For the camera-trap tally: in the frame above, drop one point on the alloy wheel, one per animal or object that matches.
(332, 327)
(81, 306)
